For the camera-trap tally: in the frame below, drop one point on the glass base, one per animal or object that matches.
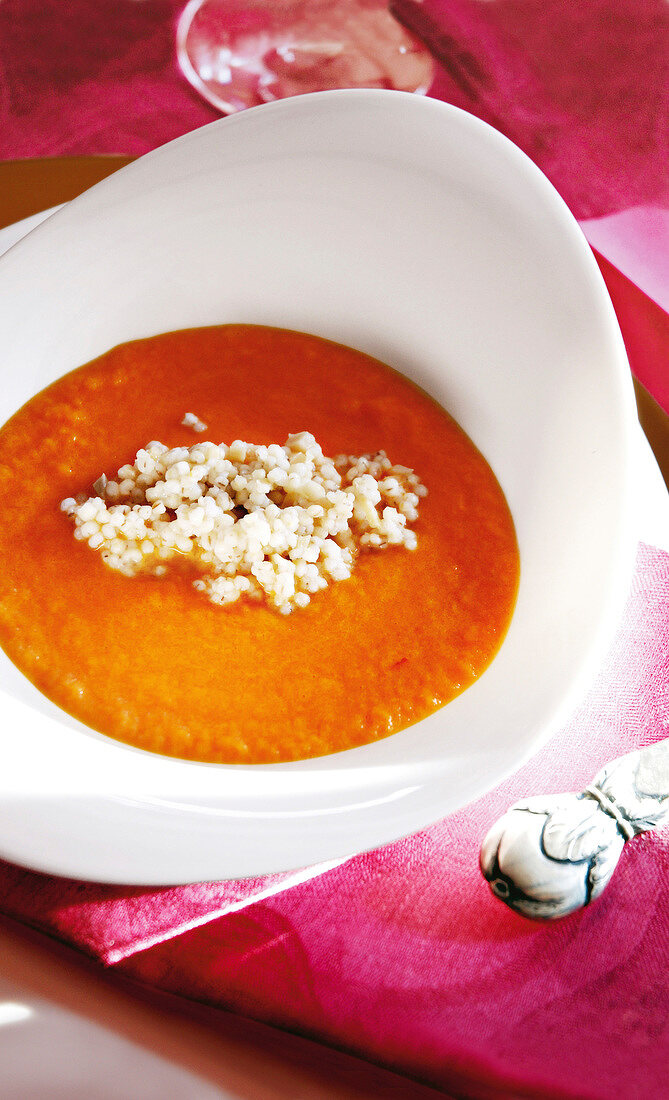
(239, 53)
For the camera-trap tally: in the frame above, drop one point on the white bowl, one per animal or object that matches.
(416, 233)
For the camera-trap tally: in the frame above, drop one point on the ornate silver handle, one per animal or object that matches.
(552, 854)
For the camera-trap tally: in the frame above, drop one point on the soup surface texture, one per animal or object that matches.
(149, 660)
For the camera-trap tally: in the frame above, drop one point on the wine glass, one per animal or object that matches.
(238, 53)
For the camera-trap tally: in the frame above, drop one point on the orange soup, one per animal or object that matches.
(150, 660)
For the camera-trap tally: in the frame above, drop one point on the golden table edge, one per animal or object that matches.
(29, 186)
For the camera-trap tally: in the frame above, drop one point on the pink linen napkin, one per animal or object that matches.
(92, 76)
(402, 955)
(581, 88)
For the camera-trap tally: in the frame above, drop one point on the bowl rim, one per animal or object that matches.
(208, 824)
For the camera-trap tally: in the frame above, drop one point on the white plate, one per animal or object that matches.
(408, 229)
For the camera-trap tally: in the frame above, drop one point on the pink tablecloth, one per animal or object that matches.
(402, 954)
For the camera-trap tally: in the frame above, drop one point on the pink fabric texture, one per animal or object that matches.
(91, 76)
(402, 955)
(582, 88)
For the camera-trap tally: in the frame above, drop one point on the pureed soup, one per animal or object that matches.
(145, 655)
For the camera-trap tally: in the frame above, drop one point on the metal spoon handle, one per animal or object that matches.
(552, 854)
